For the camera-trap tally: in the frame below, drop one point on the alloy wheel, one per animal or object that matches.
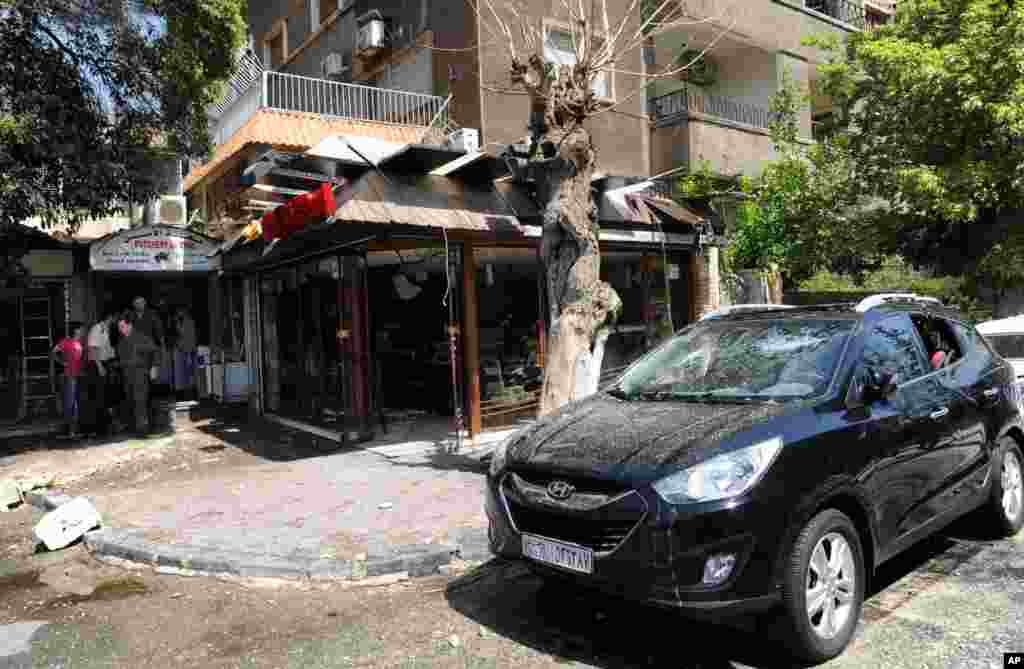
(1012, 488)
(831, 585)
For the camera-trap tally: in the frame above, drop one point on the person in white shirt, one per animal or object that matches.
(96, 411)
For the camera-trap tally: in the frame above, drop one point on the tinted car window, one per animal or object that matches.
(892, 346)
(1008, 345)
(782, 358)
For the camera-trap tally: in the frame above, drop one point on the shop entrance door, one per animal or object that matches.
(314, 343)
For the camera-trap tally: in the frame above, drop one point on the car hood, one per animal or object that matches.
(611, 438)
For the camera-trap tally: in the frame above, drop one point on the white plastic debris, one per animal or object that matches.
(385, 505)
(67, 523)
(10, 494)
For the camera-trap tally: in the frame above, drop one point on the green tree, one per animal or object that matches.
(802, 214)
(92, 92)
(932, 114)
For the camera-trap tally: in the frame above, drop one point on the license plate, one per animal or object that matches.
(567, 556)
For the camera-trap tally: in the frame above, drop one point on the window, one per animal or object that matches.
(558, 49)
(275, 45)
(940, 344)
(751, 360)
(892, 347)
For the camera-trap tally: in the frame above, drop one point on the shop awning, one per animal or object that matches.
(428, 201)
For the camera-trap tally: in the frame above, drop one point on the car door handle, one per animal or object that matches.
(940, 413)
(991, 392)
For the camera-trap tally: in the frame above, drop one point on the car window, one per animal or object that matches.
(1006, 345)
(942, 346)
(979, 356)
(892, 346)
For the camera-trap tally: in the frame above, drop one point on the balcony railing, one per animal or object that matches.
(277, 91)
(673, 107)
(841, 10)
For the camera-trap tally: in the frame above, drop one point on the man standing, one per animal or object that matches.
(99, 355)
(70, 352)
(136, 351)
(148, 321)
(184, 354)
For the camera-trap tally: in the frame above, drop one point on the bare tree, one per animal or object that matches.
(561, 161)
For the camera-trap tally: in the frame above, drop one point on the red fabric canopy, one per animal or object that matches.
(298, 212)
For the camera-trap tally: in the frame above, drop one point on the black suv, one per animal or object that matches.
(768, 459)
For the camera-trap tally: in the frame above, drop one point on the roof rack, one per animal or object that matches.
(884, 298)
(735, 308)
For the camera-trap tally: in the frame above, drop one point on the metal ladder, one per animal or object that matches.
(39, 379)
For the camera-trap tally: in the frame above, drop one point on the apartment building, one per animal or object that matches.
(403, 109)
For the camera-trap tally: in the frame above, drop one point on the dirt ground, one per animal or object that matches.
(951, 603)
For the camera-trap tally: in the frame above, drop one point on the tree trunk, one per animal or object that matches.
(580, 303)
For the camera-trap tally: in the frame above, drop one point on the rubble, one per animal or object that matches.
(66, 524)
(10, 494)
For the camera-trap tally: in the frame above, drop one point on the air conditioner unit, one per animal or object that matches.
(333, 66)
(371, 35)
(171, 210)
(465, 139)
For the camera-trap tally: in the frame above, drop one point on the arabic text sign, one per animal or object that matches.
(156, 249)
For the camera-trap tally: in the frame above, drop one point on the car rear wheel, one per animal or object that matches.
(1005, 506)
(823, 590)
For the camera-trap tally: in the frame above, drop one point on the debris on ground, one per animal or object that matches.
(36, 482)
(10, 494)
(385, 505)
(67, 523)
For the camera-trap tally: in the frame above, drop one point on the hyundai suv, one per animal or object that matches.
(768, 460)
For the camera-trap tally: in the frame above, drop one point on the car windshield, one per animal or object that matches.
(776, 359)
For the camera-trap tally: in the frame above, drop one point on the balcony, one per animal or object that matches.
(692, 127)
(680, 105)
(277, 91)
(848, 12)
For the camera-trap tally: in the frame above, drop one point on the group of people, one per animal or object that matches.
(109, 369)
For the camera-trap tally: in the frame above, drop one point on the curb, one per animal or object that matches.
(409, 561)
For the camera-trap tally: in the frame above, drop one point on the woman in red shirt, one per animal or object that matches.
(71, 352)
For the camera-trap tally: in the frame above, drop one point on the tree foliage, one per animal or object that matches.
(802, 213)
(932, 113)
(93, 91)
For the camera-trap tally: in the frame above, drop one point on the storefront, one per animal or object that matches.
(43, 289)
(171, 267)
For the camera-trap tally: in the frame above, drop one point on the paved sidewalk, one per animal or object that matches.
(401, 503)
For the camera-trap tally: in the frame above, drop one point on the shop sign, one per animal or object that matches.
(49, 263)
(155, 248)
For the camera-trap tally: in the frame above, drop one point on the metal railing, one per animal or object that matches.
(841, 10)
(680, 104)
(278, 91)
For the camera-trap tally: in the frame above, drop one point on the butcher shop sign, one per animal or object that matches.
(156, 248)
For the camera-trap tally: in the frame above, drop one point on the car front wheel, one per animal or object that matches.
(823, 589)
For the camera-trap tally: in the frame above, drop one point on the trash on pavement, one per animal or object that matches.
(67, 523)
(10, 494)
(385, 505)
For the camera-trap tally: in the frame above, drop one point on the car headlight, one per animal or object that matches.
(499, 457)
(721, 477)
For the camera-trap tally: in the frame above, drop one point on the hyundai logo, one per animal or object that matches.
(560, 490)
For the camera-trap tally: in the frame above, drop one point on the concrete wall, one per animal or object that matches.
(775, 25)
(729, 149)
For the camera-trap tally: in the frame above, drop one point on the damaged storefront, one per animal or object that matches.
(414, 287)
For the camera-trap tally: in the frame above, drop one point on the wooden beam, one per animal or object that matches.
(471, 338)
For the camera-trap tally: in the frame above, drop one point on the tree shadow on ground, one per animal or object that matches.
(599, 630)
